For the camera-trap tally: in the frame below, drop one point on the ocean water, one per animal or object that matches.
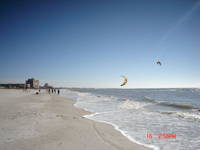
(145, 115)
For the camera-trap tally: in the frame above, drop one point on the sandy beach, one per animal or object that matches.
(51, 122)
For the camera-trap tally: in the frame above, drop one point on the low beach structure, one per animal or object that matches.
(12, 86)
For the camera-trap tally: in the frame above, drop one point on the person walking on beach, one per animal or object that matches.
(49, 91)
(58, 91)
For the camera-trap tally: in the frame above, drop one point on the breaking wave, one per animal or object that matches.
(185, 115)
(181, 106)
(130, 104)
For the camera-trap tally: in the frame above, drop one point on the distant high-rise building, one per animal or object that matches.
(46, 85)
(32, 83)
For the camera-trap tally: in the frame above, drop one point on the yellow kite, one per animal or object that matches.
(125, 81)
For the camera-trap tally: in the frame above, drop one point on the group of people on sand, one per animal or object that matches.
(52, 90)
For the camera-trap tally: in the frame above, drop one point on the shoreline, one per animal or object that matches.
(114, 126)
(150, 147)
(38, 122)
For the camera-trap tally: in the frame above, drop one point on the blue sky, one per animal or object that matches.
(92, 43)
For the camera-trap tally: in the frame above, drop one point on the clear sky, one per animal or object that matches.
(92, 43)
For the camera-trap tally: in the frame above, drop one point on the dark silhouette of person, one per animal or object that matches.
(58, 91)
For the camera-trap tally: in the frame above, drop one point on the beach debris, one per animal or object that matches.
(158, 63)
(125, 81)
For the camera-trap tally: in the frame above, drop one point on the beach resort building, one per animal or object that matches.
(32, 83)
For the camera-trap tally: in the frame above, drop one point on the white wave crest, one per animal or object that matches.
(130, 104)
(188, 115)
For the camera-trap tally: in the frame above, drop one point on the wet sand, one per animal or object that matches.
(51, 122)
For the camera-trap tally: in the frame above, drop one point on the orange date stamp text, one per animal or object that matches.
(161, 136)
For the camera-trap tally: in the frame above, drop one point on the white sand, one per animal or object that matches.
(44, 122)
